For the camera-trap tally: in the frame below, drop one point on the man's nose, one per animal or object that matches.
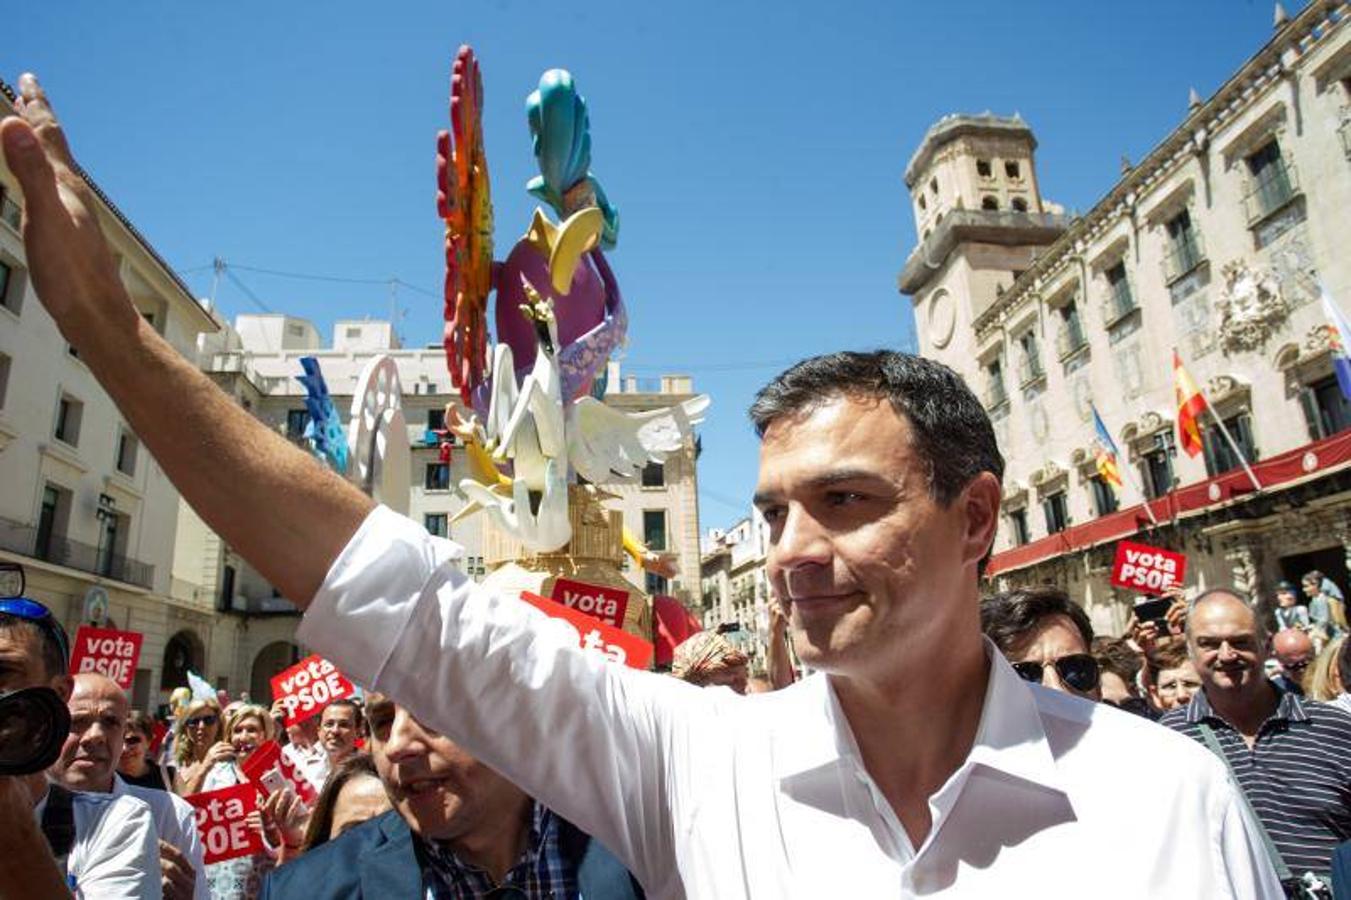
(802, 540)
(405, 737)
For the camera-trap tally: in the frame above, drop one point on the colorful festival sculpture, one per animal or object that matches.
(530, 424)
(326, 436)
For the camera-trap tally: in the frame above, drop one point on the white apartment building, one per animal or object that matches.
(84, 508)
(735, 586)
(1215, 245)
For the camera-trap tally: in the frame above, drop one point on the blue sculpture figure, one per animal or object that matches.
(560, 131)
(327, 437)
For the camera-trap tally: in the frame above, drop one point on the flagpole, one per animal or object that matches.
(1130, 471)
(1252, 476)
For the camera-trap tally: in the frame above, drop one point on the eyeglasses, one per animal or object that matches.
(200, 721)
(41, 616)
(1079, 671)
(1296, 666)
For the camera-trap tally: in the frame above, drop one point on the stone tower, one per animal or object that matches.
(979, 219)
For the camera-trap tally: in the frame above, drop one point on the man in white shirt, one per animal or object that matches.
(88, 762)
(914, 763)
(111, 853)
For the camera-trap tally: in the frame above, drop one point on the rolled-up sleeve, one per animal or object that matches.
(594, 741)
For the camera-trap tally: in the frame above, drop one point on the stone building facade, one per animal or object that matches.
(735, 584)
(1216, 245)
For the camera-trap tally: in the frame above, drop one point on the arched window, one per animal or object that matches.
(989, 203)
(923, 204)
(1019, 204)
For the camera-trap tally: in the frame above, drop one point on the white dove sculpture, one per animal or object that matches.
(605, 443)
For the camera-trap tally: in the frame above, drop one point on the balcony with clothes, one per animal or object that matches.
(43, 542)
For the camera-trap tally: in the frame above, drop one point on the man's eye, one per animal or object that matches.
(772, 514)
(843, 498)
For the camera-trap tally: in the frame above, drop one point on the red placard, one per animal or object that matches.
(606, 604)
(593, 635)
(267, 764)
(108, 652)
(308, 686)
(1140, 567)
(221, 822)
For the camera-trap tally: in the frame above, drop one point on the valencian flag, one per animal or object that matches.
(1190, 403)
(1340, 336)
(1105, 453)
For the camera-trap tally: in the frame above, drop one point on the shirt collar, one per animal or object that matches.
(440, 858)
(1290, 708)
(1010, 737)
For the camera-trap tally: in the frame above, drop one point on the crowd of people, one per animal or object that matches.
(937, 743)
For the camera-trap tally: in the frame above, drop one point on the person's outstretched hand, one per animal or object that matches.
(72, 268)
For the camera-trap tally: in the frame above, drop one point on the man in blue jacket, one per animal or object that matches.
(458, 830)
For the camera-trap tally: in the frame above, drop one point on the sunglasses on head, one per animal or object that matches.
(1079, 671)
(41, 616)
(207, 720)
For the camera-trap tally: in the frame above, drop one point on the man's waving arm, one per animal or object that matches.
(273, 503)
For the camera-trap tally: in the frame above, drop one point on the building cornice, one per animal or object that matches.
(954, 126)
(122, 219)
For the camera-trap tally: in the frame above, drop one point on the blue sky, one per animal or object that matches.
(755, 150)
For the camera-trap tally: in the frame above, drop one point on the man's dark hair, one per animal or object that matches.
(1115, 655)
(1007, 618)
(53, 655)
(953, 434)
(358, 715)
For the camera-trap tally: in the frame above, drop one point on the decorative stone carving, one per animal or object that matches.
(1047, 476)
(1251, 307)
(1318, 340)
(1015, 495)
(1243, 568)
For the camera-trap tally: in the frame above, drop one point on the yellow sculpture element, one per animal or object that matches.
(563, 245)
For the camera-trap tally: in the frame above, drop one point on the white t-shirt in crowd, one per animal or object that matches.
(115, 855)
(175, 822)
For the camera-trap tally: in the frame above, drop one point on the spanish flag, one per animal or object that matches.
(1190, 403)
(1105, 452)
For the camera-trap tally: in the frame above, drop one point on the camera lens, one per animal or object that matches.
(34, 723)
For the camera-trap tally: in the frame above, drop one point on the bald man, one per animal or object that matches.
(88, 762)
(1292, 758)
(1294, 651)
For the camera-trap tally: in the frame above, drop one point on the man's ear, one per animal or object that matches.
(980, 505)
(64, 685)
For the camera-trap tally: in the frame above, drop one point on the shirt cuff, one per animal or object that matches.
(360, 611)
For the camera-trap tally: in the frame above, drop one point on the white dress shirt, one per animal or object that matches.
(175, 823)
(115, 856)
(704, 793)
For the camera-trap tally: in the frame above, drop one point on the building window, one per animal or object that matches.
(1019, 204)
(933, 186)
(988, 202)
(296, 420)
(437, 524)
(52, 518)
(1104, 498)
(1012, 169)
(1018, 527)
(127, 447)
(1031, 368)
(1326, 409)
(9, 288)
(923, 204)
(111, 537)
(1184, 247)
(4, 378)
(1072, 338)
(226, 600)
(654, 529)
(1156, 466)
(1057, 512)
(1272, 183)
(654, 475)
(69, 412)
(995, 394)
(437, 477)
(983, 168)
(1120, 301)
(10, 212)
(436, 419)
(1220, 456)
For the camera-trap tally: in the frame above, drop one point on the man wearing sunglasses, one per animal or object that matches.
(914, 762)
(112, 851)
(1293, 649)
(1046, 636)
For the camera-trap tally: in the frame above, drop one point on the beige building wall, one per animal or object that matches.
(110, 531)
(1223, 234)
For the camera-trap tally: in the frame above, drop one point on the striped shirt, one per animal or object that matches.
(1297, 775)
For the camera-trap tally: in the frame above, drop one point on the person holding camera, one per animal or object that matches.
(58, 842)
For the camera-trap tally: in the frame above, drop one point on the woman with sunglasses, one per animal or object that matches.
(135, 766)
(198, 746)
